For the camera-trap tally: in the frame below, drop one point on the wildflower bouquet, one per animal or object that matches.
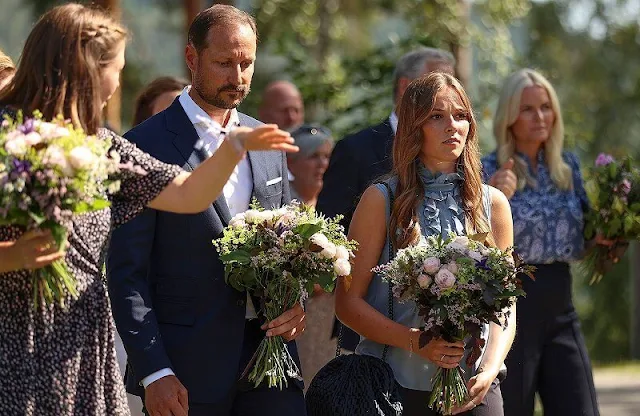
(613, 188)
(50, 171)
(458, 285)
(278, 256)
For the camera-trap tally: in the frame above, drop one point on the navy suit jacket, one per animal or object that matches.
(170, 301)
(356, 162)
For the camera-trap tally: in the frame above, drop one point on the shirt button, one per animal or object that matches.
(240, 302)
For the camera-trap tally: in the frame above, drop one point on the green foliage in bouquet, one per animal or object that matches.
(278, 256)
(49, 172)
(613, 188)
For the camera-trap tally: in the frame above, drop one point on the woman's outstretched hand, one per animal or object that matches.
(265, 137)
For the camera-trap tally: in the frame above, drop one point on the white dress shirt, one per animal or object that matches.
(237, 191)
(393, 120)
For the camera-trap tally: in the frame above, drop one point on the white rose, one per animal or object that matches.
(252, 216)
(81, 157)
(54, 156)
(16, 145)
(342, 253)
(265, 216)
(424, 280)
(237, 220)
(50, 130)
(319, 239)
(342, 267)
(329, 251)
(431, 265)
(452, 267)
(445, 279)
(33, 138)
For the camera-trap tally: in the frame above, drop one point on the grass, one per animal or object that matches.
(632, 367)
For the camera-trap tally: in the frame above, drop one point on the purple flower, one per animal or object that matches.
(482, 264)
(604, 159)
(27, 126)
(21, 166)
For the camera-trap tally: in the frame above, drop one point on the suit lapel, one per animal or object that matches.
(186, 137)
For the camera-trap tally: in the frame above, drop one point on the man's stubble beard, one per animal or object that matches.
(217, 100)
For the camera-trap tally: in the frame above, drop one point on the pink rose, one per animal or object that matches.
(452, 267)
(445, 279)
(424, 280)
(431, 265)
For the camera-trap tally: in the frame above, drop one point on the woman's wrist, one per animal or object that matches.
(236, 140)
(413, 340)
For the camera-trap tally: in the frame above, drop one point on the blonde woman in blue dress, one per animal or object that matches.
(437, 186)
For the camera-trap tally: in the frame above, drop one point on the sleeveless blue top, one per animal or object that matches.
(439, 212)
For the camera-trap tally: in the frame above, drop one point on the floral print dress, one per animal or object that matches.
(61, 360)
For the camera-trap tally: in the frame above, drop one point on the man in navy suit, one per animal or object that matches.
(361, 158)
(189, 335)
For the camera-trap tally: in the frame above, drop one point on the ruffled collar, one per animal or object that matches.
(442, 204)
(439, 182)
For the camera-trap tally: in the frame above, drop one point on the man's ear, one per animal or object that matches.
(191, 57)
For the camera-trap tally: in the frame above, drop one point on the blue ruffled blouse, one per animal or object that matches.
(439, 213)
(548, 222)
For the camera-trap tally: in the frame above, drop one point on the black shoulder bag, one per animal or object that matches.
(352, 385)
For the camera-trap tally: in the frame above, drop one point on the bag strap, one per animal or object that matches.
(385, 351)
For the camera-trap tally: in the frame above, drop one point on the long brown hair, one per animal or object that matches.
(59, 71)
(416, 106)
(150, 93)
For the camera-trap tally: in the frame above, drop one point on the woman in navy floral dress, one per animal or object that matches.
(61, 360)
(548, 200)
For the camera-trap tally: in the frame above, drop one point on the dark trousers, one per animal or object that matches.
(415, 403)
(244, 400)
(549, 354)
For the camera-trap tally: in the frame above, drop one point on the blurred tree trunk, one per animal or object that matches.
(461, 47)
(113, 116)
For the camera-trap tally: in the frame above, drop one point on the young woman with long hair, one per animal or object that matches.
(61, 360)
(437, 188)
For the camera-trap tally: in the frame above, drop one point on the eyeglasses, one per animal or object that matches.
(313, 130)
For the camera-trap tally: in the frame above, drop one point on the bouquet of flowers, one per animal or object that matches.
(50, 171)
(613, 188)
(278, 256)
(458, 285)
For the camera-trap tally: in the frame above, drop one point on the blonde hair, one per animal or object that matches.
(507, 114)
(416, 106)
(6, 64)
(59, 71)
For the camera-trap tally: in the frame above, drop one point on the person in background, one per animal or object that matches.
(316, 345)
(307, 167)
(437, 189)
(7, 69)
(157, 96)
(547, 197)
(282, 105)
(359, 159)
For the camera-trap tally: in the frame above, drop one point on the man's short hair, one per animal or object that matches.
(412, 64)
(217, 15)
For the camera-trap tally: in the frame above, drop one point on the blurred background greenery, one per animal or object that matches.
(341, 54)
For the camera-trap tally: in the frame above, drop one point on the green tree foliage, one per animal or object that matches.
(334, 51)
